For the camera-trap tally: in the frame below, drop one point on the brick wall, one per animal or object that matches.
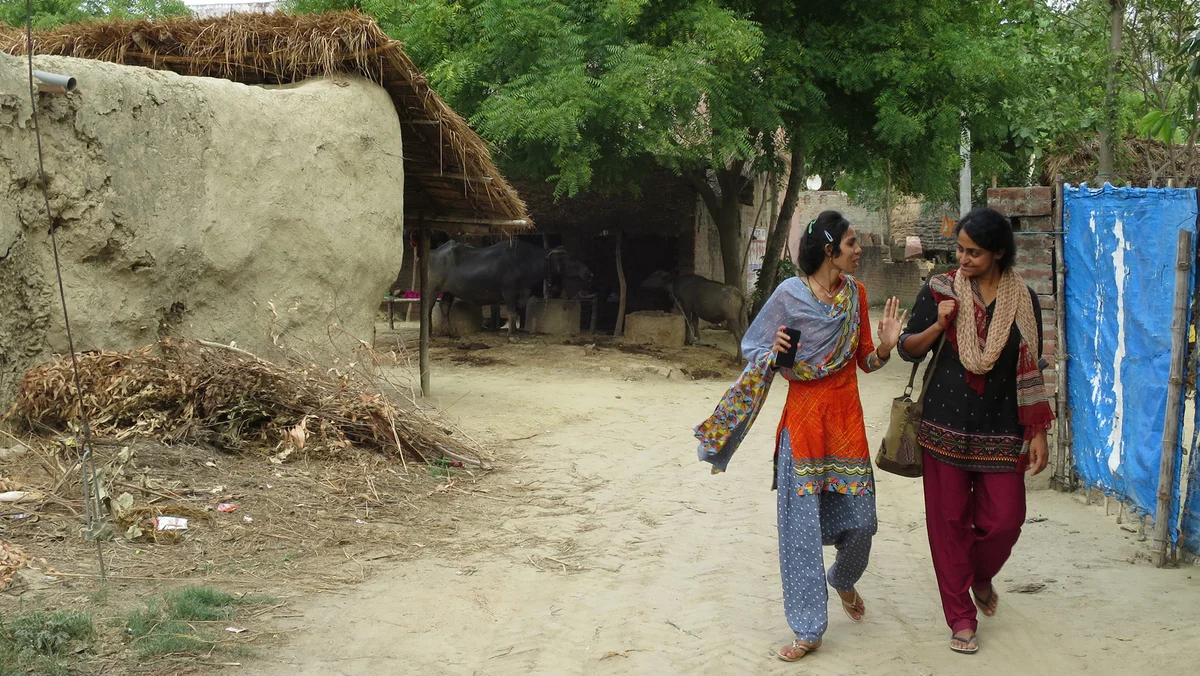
(1030, 210)
(884, 278)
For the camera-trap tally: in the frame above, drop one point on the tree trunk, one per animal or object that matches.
(1109, 135)
(779, 234)
(619, 330)
(726, 213)
(887, 205)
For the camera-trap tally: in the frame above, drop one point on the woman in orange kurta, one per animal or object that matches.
(826, 488)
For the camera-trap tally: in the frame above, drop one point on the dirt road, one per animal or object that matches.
(604, 547)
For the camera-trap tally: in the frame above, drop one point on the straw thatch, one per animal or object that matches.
(1137, 162)
(449, 173)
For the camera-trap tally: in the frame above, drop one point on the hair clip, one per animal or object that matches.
(811, 224)
(828, 236)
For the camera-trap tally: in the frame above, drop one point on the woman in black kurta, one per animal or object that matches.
(985, 417)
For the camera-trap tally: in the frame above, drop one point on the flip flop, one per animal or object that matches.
(803, 647)
(988, 608)
(850, 607)
(972, 639)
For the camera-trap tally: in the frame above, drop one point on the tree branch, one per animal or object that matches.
(700, 182)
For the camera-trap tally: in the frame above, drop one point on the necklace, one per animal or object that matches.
(824, 291)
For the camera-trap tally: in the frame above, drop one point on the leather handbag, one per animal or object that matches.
(899, 453)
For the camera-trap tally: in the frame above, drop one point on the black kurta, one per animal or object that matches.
(960, 427)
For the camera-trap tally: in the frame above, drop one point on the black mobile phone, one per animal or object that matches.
(787, 359)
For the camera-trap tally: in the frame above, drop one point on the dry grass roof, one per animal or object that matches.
(1137, 161)
(449, 173)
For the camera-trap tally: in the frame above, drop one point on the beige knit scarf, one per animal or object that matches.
(978, 353)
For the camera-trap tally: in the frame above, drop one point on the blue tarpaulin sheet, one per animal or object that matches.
(1120, 286)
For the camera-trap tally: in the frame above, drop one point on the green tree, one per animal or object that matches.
(48, 14)
(1162, 69)
(592, 94)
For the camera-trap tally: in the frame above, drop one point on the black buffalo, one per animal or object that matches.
(500, 273)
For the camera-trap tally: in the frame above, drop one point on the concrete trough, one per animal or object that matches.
(554, 317)
(466, 319)
(656, 329)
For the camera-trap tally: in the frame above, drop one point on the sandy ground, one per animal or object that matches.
(603, 547)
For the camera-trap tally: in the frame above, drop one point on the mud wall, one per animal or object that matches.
(195, 207)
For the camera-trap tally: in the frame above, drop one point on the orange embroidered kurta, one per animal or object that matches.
(823, 417)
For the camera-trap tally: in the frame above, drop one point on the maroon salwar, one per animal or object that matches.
(973, 519)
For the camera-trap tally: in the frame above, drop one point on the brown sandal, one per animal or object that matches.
(972, 643)
(988, 607)
(804, 648)
(853, 607)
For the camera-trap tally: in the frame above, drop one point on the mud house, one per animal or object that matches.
(239, 179)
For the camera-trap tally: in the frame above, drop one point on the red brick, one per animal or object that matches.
(1036, 224)
(1026, 241)
(1042, 287)
(1034, 256)
(1021, 201)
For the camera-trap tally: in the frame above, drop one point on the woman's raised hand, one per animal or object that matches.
(891, 325)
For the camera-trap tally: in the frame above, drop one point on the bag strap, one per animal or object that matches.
(929, 371)
(911, 379)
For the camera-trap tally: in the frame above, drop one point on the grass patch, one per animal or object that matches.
(36, 642)
(175, 623)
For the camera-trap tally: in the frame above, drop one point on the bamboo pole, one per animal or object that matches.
(1063, 477)
(620, 328)
(1170, 443)
(426, 305)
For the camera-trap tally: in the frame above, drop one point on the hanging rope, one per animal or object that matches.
(91, 496)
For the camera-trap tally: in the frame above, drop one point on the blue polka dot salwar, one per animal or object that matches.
(807, 522)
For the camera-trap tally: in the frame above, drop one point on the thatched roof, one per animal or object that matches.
(1138, 162)
(449, 173)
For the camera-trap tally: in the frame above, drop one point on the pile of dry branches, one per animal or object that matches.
(198, 393)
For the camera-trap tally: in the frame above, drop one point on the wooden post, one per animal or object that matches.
(426, 304)
(409, 306)
(546, 281)
(1170, 443)
(1063, 478)
(620, 328)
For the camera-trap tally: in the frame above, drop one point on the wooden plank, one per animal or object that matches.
(452, 176)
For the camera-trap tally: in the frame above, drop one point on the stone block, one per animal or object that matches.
(465, 319)
(657, 329)
(554, 316)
